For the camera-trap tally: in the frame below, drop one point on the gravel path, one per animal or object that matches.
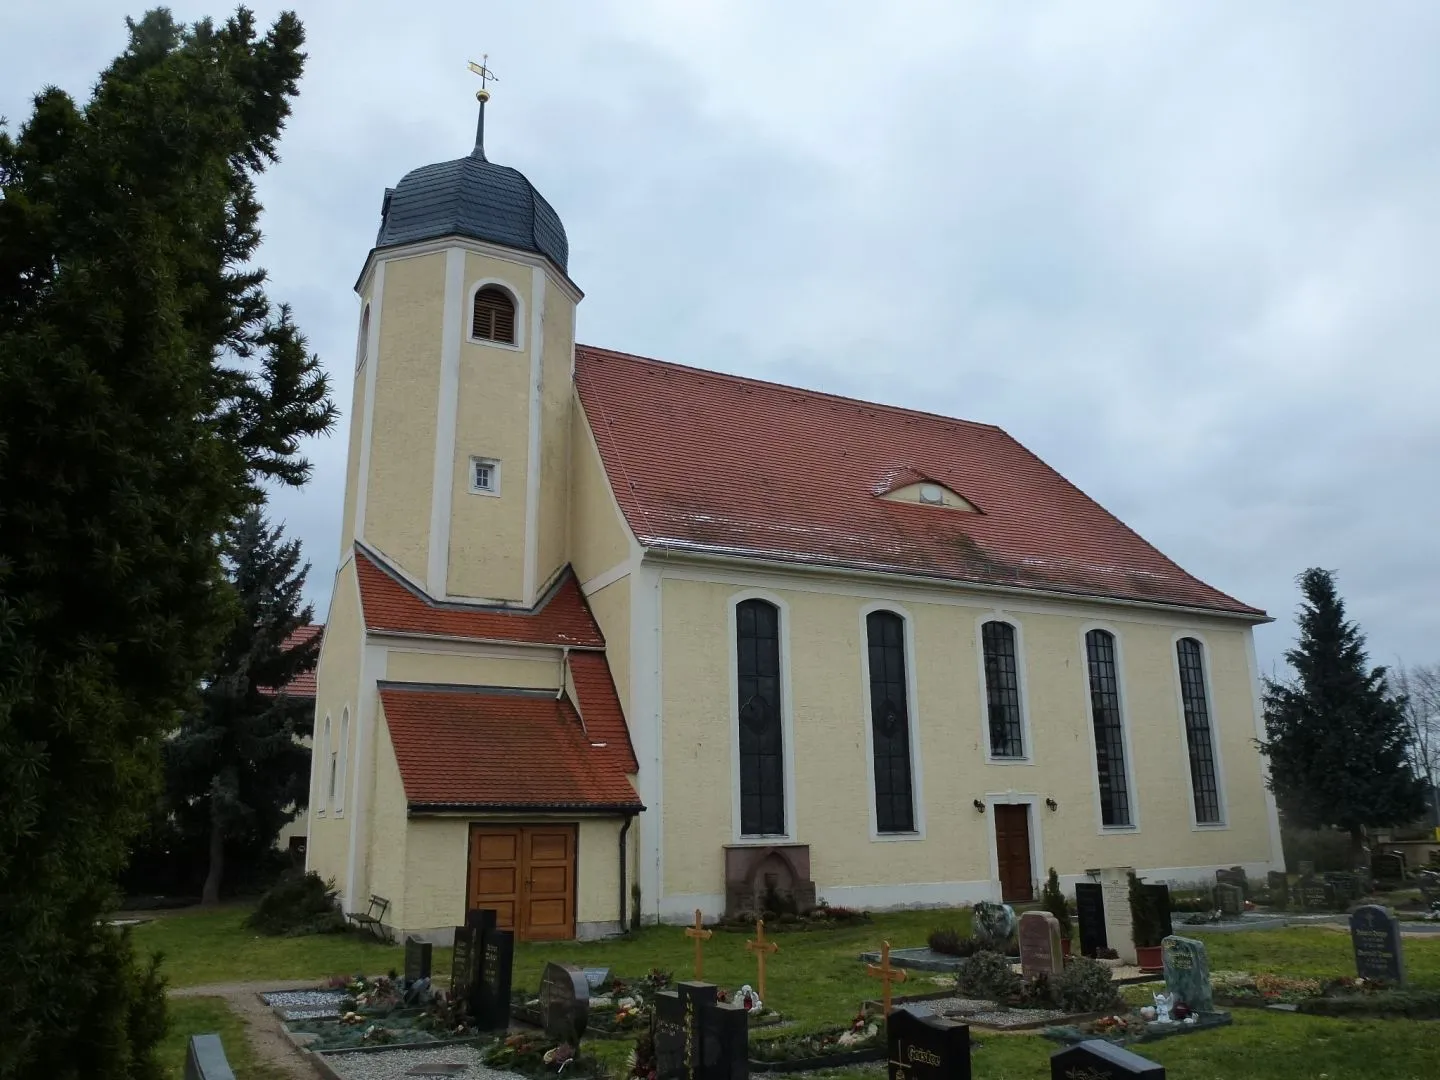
(262, 1028)
(395, 1064)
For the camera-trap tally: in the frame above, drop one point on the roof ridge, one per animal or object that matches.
(770, 384)
(484, 690)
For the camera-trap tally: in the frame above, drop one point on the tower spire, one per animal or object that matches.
(482, 96)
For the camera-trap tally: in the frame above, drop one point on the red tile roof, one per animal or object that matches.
(488, 748)
(715, 463)
(303, 685)
(600, 706)
(392, 604)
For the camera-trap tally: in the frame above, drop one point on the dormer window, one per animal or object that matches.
(493, 318)
(932, 494)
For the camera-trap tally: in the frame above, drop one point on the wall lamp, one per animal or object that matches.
(980, 806)
(1052, 804)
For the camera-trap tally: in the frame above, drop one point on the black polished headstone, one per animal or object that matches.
(481, 919)
(667, 1031)
(417, 959)
(927, 1047)
(463, 961)
(1315, 894)
(1090, 913)
(1388, 867)
(490, 998)
(1096, 1059)
(1375, 935)
(564, 1002)
(1159, 896)
(724, 1042)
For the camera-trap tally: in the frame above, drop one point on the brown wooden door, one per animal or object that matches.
(526, 873)
(1012, 845)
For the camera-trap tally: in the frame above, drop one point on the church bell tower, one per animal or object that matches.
(460, 424)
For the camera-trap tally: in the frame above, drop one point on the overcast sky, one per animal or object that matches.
(1187, 253)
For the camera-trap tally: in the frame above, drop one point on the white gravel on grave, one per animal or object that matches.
(396, 1064)
(304, 999)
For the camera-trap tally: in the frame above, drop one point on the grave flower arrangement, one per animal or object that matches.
(531, 1055)
(860, 1040)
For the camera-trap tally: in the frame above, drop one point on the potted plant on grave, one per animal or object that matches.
(1145, 928)
(1053, 898)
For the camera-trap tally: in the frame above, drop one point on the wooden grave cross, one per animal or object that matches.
(761, 948)
(700, 934)
(886, 974)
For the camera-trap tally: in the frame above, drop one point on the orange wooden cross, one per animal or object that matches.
(700, 934)
(886, 974)
(761, 948)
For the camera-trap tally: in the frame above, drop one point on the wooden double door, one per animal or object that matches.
(1012, 848)
(526, 873)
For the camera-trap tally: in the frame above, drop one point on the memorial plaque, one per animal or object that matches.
(1375, 934)
(1187, 973)
(564, 1002)
(490, 999)
(1230, 899)
(724, 1042)
(667, 1030)
(417, 959)
(1119, 931)
(925, 1047)
(1040, 944)
(462, 964)
(1159, 896)
(1090, 914)
(1096, 1059)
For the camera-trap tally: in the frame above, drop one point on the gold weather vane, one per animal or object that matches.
(486, 76)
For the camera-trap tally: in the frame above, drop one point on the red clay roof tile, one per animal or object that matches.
(715, 463)
(303, 685)
(479, 747)
(600, 706)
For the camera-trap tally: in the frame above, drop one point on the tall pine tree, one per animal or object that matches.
(148, 387)
(235, 766)
(1337, 739)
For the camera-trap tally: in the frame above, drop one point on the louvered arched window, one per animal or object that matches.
(493, 318)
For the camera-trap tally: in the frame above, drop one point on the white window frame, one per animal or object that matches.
(494, 463)
(362, 346)
(1134, 792)
(787, 722)
(469, 315)
(1021, 678)
(912, 703)
(322, 776)
(1220, 790)
(344, 755)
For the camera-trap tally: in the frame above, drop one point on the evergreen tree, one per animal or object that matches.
(235, 764)
(1337, 739)
(148, 388)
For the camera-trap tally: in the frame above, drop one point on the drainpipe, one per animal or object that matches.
(624, 888)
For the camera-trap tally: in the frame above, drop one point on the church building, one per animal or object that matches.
(614, 638)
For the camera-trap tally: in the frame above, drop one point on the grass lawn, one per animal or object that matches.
(816, 979)
(195, 1016)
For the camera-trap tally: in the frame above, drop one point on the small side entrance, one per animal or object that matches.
(1012, 848)
(527, 874)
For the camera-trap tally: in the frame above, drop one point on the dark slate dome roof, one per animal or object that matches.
(472, 197)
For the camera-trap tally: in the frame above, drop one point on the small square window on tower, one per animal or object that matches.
(484, 476)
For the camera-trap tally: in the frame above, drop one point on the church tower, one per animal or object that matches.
(460, 440)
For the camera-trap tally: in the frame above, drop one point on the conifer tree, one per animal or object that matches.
(1337, 738)
(148, 388)
(235, 766)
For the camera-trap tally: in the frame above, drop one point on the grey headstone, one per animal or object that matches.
(1119, 929)
(993, 924)
(205, 1059)
(1375, 935)
(598, 978)
(1090, 914)
(1040, 944)
(564, 1002)
(925, 1047)
(1187, 973)
(1096, 1059)
(1230, 899)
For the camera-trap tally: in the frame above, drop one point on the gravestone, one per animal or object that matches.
(1315, 894)
(925, 1047)
(1234, 876)
(1277, 884)
(1375, 934)
(678, 1028)
(1305, 868)
(481, 919)
(1115, 888)
(1040, 944)
(1344, 889)
(724, 1042)
(1230, 899)
(1388, 868)
(1096, 1059)
(564, 1002)
(598, 978)
(667, 1032)
(1187, 973)
(205, 1059)
(490, 999)
(1159, 897)
(1090, 914)
(993, 925)
(417, 959)
(462, 963)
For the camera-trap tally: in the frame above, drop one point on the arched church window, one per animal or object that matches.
(890, 722)
(1109, 729)
(762, 743)
(494, 315)
(1198, 735)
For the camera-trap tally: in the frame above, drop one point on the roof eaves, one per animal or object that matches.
(413, 808)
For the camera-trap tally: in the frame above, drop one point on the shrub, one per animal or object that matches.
(1053, 897)
(1037, 992)
(987, 975)
(1145, 930)
(300, 904)
(1085, 986)
(949, 941)
(1413, 1004)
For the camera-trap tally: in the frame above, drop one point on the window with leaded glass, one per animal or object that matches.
(890, 722)
(1109, 729)
(762, 744)
(1002, 690)
(1198, 736)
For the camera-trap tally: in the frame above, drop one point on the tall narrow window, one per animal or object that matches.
(890, 722)
(1198, 736)
(494, 315)
(1109, 732)
(362, 346)
(344, 759)
(1002, 690)
(322, 753)
(762, 743)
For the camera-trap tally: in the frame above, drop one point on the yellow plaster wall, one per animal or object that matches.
(556, 396)
(541, 671)
(599, 536)
(402, 438)
(337, 686)
(487, 533)
(356, 420)
(830, 727)
(388, 835)
(597, 871)
(611, 608)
